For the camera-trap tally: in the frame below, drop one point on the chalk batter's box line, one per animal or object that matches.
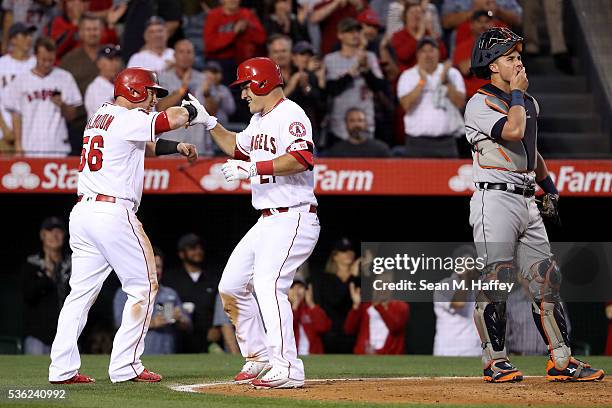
(194, 387)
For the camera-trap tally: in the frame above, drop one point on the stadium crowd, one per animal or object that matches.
(378, 78)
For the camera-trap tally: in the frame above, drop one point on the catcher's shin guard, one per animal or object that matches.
(550, 321)
(490, 319)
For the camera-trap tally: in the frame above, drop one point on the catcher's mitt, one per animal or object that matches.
(549, 208)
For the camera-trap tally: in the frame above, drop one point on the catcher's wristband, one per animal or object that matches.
(517, 98)
(548, 186)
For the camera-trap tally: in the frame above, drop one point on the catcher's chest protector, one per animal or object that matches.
(503, 154)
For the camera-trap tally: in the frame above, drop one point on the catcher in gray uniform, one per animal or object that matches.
(501, 126)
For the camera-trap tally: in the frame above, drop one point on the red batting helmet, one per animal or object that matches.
(262, 73)
(137, 79)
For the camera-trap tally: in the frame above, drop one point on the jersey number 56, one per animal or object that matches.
(93, 158)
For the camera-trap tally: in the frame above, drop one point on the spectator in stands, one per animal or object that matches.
(353, 75)
(197, 289)
(309, 319)
(194, 16)
(305, 8)
(462, 58)
(33, 13)
(220, 94)
(396, 20)
(431, 93)
(416, 27)
(155, 54)
(64, 28)
(553, 12)
(279, 51)
(81, 63)
(456, 333)
(102, 89)
(380, 325)
(45, 287)
(18, 61)
(279, 19)
(167, 319)
(360, 142)
(332, 290)
(304, 85)
(41, 101)
(137, 17)
(232, 34)
(329, 13)
(179, 81)
(456, 15)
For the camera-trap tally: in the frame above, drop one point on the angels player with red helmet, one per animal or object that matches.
(105, 234)
(275, 152)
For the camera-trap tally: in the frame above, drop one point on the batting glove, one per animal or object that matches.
(238, 170)
(202, 116)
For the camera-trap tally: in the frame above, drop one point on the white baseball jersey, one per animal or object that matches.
(43, 128)
(150, 60)
(112, 161)
(100, 91)
(285, 128)
(9, 69)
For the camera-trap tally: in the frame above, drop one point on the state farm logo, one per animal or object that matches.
(215, 180)
(463, 180)
(576, 181)
(20, 177)
(342, 180)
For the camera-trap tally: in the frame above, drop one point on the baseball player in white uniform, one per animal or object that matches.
(18, 61)
(105, 233)
(275, 152)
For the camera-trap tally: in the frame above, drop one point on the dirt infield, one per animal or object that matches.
(535, 391)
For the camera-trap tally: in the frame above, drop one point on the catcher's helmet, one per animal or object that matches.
(491, 45)
(137, 79)
(262, 73)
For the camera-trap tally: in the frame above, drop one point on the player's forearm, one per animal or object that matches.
(514, 129)
(225, 139)
(541, 169)
(171, 100)
(177, 117)
(287, 165)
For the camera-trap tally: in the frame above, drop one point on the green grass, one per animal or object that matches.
(31, 372)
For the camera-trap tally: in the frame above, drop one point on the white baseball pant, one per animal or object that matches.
(104, 237)
(265, 260)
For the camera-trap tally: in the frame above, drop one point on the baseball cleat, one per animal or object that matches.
(147, 376)
(576, 370)
(251, 371)
(276, 379)
(500, 371)
(77, 379)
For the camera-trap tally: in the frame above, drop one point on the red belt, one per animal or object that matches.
(100, 197)
(266, 212)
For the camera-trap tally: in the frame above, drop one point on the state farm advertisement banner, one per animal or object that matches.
(332, 176)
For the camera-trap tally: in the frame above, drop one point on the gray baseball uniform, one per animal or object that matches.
(506, 225)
